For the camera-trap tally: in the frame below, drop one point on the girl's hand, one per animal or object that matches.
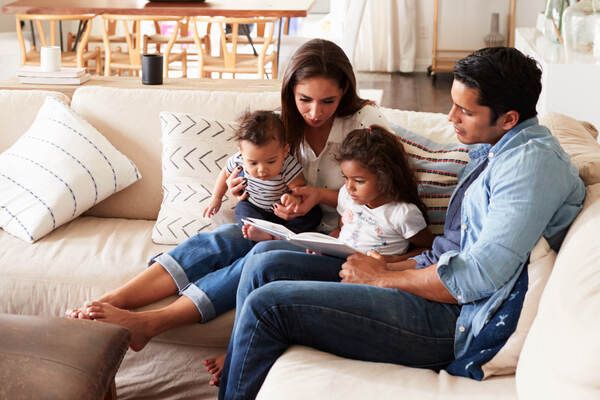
(212, 208)
(237, 184)
(309, 197)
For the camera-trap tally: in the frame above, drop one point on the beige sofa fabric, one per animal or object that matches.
(560, 357)
(304, 373)
(129, 120)
(18, 109)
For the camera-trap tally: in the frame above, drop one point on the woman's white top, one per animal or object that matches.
(323, 170)
(384, 229)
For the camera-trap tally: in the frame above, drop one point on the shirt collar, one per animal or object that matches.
(502, 144)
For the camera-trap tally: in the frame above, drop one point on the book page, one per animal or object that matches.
(279, 231)
(315, 236)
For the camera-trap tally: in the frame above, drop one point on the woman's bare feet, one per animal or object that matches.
(214, 366)
(138, 323)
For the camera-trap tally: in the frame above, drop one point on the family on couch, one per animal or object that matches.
(428, 311)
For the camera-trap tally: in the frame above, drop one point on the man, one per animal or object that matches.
(427, 311)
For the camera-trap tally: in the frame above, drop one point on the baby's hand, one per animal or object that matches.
(213, 207)
(289, 199)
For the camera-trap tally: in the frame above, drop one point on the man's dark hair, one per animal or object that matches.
(506, 79)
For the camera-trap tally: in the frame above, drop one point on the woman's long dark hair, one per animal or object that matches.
(316, 58)
(381, 152)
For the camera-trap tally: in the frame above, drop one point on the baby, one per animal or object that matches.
(269, 172)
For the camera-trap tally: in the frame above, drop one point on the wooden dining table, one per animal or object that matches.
(223, 8)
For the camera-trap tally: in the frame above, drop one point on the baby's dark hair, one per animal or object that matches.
(381, 152)
(260, 127)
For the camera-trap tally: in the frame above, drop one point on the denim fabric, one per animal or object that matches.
(281, 308)
(206, 268)
(450, 240)
(528, 190)
(304, 223)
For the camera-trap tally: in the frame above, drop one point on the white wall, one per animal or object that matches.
(7, 22)
(464, 23)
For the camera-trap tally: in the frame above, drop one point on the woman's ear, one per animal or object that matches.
(286, 148)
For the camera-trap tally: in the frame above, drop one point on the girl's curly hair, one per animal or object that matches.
(381, 153)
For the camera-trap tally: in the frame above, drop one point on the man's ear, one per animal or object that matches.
(509, 120)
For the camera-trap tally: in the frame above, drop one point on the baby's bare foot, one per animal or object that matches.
(258, 235)
(138, 325)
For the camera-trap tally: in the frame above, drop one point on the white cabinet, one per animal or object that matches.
(570, 87)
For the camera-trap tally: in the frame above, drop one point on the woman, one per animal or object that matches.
(319, 107)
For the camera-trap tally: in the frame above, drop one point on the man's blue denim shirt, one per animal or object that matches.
(529, 189)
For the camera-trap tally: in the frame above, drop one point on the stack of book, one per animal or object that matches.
(64, 76)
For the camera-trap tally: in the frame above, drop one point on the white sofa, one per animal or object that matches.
(112, 242)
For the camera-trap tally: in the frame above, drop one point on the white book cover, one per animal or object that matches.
(37, 80)
(311, 240)
(63, 72)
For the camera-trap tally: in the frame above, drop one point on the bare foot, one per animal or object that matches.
(79, 313)
(214, 366)
(255, 234)
(136, 322)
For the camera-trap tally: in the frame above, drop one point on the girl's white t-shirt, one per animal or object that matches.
(385, 229)
(323, 170)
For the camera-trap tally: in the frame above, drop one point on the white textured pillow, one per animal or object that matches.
(195, 150)
(56, 170)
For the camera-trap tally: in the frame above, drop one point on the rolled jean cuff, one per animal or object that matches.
(201, 301)
(174, 269)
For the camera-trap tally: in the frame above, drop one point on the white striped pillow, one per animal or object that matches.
(56, 170)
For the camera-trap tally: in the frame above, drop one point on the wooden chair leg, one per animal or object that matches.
(183, 63)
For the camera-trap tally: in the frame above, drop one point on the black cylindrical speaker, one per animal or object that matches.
(152, 69)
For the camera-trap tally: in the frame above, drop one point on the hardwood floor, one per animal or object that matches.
(414, 91)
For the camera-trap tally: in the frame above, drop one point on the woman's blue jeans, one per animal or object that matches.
(289, 297)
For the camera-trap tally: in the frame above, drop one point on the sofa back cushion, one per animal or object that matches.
(18, 109)
(129, 118)
(560, 355)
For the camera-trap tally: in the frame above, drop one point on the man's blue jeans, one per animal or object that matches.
(278, 306)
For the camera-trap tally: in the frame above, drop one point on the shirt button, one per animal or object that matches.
(490, 155)
(463, 227)
(461, 329)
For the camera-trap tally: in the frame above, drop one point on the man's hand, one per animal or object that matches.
(237, 184)
(360, 268)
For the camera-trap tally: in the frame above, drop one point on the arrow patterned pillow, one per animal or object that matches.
(195, 149)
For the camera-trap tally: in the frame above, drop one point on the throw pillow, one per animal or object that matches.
(437, 168)
(577, 140)
(56, 170)
(496, 350)
(195, 150)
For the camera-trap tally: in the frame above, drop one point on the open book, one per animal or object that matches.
(311, 240)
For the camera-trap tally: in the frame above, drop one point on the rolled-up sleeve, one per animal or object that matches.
(508, 211)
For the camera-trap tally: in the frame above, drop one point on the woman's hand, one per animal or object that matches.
(237, 184)
(309, 197)
(360, 268)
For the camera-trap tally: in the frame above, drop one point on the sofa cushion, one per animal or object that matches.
(58, 169)
(560, 355)
(129, 118)
(437, 170)
(303, 373)
(195, 150)
(578, 140)
(82, 260)
(18, 109)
